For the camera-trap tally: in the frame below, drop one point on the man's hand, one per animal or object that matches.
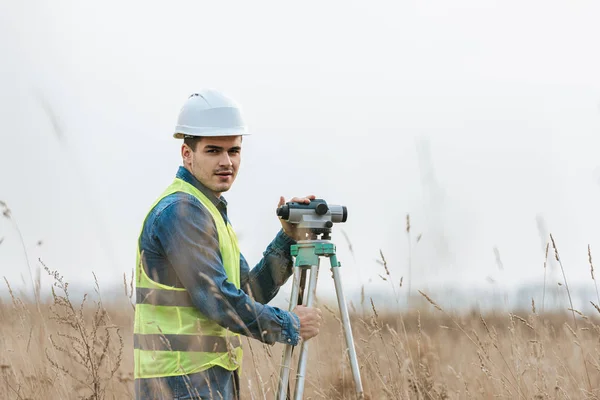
(291, 229)
(310, 321)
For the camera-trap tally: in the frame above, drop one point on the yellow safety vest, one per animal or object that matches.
(171, 336)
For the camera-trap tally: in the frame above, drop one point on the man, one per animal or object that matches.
(195, 292)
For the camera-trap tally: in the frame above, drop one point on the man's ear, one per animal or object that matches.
(186, 154)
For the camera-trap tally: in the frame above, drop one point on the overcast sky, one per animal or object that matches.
(478, 118)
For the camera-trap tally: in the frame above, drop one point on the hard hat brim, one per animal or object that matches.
(181, 132)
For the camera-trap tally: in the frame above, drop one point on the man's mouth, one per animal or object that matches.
(224, 173)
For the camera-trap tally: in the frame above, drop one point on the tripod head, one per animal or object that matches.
(316, 218)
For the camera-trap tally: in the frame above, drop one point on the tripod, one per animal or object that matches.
(307, 254)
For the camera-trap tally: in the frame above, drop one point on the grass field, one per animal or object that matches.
(60, 348)
(54, 349)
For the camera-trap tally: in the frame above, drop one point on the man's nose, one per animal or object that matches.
(225, 160)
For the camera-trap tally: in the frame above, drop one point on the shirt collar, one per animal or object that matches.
(187, 176)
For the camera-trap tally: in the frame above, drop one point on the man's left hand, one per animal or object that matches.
(291, 229)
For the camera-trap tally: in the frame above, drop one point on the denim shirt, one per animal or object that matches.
(180, 248)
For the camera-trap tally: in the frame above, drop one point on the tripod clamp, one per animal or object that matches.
(307, 255)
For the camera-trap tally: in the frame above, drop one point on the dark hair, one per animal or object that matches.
(192, 141)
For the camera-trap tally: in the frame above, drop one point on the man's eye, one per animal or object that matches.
(234, 151)
(211, 151)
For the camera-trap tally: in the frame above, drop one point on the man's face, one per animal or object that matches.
(215, 161)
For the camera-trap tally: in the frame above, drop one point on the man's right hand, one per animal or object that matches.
(310, 321)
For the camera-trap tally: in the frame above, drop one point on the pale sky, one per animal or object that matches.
(475, 117)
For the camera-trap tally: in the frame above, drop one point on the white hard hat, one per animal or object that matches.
(209, 113)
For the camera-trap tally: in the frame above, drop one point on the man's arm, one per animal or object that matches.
(189, 240)
(271, 272)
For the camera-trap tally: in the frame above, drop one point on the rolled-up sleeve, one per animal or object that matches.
(187, 234)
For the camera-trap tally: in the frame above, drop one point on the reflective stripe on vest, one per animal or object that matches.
(171, 336)
(162, 342)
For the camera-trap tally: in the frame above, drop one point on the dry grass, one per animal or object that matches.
(56, 350)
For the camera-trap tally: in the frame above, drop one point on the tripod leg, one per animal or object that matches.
(301, 296)
(312, 287)
(347, 328)
(284, 374)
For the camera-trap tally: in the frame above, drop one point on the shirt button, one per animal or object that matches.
(289, 340)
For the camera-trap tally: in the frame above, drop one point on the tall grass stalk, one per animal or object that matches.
(545, 269)
(571, 303)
